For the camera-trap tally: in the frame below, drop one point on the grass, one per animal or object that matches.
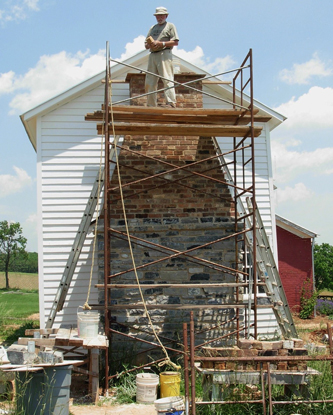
(16, 306)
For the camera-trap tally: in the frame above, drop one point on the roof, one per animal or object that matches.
(293, 228)
(119, 71)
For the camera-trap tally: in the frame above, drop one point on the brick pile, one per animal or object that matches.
(254, 348)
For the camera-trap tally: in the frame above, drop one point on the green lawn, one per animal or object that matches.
(15, 309)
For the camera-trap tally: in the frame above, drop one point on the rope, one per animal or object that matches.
(167, 360)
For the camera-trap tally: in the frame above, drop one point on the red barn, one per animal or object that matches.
(295, 252)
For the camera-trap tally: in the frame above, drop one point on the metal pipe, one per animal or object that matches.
(192, 363)
(175, 83)
(186, 372)
(106, 219)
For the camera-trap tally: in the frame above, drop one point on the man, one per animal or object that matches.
(160, 40)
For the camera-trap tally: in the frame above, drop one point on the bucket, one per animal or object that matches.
(170, 384)
(146, 387)
(172, 405)
(87, 323)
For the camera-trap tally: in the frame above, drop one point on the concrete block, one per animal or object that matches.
(18, 355)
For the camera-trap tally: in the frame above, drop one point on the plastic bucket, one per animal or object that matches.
(170, 384)
(170, 405)
(146, 387)
(87, 323)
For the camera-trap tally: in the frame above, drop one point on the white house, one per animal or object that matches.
(68, 159)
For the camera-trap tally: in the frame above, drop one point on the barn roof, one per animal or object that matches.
(293, 228)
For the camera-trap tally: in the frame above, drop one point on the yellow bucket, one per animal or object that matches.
(170, 384)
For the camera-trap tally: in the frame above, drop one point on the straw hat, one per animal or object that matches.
(161, 10)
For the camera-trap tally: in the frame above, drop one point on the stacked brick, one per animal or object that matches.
(255, 348)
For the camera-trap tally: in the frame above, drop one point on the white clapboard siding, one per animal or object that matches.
(69, 154)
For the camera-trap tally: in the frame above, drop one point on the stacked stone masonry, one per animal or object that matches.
(180, 209)
(254, 348)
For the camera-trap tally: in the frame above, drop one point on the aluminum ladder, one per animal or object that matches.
(266, 267)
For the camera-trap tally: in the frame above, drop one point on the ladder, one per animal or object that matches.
(266, 266)
(74, 255)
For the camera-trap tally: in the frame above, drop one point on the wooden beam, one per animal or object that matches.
(178, 119)
(181, 130)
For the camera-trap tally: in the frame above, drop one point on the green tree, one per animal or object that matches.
(323, 266)
(12, 243)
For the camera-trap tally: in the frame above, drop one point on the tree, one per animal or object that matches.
(323, 266)
(12, 243)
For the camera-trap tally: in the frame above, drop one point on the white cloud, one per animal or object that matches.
(29, 227)
(15, 10)
(293, 194)
(32, 4)
(312, 109)
(303, 72)
(10, 184)
(132, 48)
(56, 73)
(288, 164)
(52, 75)
(197, 58)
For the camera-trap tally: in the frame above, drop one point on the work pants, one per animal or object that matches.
(160, 63)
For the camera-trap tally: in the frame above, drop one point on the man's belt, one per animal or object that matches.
(157, 51)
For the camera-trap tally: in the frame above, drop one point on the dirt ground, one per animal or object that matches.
(310, 330)
(131, 409)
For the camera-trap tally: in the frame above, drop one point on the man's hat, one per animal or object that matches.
(161, 10)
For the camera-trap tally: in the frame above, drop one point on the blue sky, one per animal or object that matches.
(47, 46)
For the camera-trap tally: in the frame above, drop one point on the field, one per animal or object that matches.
(20, 281)
(18, 307)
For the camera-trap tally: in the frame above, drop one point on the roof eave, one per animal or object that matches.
(294, 228)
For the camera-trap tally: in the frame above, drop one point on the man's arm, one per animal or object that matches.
(159, 45)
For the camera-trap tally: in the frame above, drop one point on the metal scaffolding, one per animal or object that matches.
(238, 168)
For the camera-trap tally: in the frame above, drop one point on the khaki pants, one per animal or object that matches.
(160, 63)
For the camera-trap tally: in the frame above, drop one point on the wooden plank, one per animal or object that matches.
(178, 306)
(179, 118)
(42, 332)
(185, 111)
(144, 286)
(38, 342)
(181, 130)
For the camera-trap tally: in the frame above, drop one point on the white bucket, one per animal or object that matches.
(87, 323)
(146, 387)
(170, 405)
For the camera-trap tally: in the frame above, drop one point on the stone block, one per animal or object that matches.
(256, 344)
(220, 365)
(267, 345)
(276, 345)
(282, 366)
(288, 344)
(245, 344)
(283, 352)
(298, 343)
